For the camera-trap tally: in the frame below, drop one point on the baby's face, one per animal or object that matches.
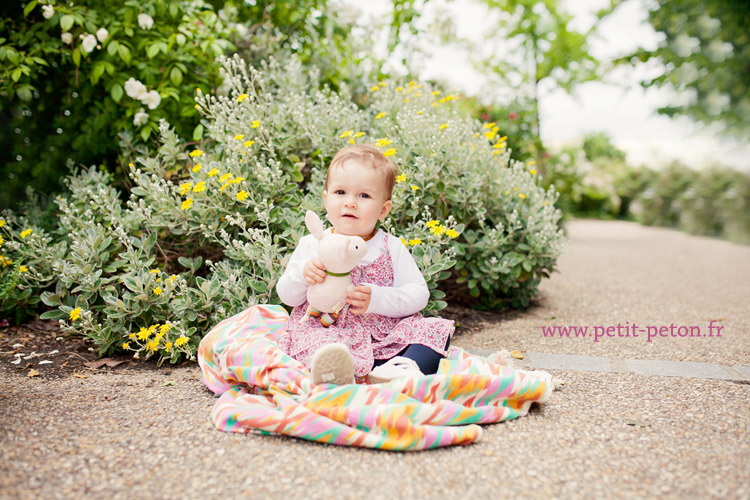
(355, 198)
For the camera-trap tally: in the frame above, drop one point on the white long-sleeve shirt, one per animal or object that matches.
(408, 295)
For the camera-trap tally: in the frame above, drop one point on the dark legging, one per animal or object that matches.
(427, 359)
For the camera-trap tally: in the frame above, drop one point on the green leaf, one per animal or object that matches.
(112, 47)
(152, 50)
(176, 76)
(198, 133)
(96, 73)
(77, 57)
(146, 132)
(124, 53)
(29, 7)
(181, 39)
(116, 92)
(16, 74)
(66, 22)
(527, 266)
(56, 314)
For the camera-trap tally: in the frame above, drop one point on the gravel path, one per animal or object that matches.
(147, 434)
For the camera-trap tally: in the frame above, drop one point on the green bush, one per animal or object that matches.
(207, 231)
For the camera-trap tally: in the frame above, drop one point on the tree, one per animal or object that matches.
(705, 57)
(534, 44)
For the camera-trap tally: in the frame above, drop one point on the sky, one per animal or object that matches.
(624, 111)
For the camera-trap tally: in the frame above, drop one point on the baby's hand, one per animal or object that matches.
(314, 271)
(359, 299)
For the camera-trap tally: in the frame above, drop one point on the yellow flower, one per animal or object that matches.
(24, 234)
(383, 142)
(532, 172)
(5, 261)
(488, 125)
(515, 189)
(242, 97)
(436, 92)
(414, 188)
(490, 135)
(433, 223)
(531, 163)
(522, 196)
(406, 100)
(196, 153)
(213, 172)
(1, 241)
(153, 271)
(187, 204)
(374, 88)
(403, 241)
(383, 84)
(152, 345)
(239, 137)
(401, 178)
(507, 193)
(443, 126)
(495, 129)
(199, 187)
(434, 105)
(415, 241)
(412, 83)
(399, 89)
(75, 314)
(249, 143)
(359, 134)
(351, 141)
(196, 106)
(437, 230)
(451, 233)
(225, 177)
(2, 221)
(238, 180)
(197, 168)
(157, 291)
(172, 278)
(420, 112)
(380, 115)
(346, 134)
(242, 195)
(181, 341)
(185, 187)
(389, 152)
(224, 187)
(164, 328)
(168, 345)
(126, 346)
(143, 334)
(255, 124)
(23, 269)
(131, 336)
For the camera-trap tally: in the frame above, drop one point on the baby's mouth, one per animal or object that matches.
(349, 216)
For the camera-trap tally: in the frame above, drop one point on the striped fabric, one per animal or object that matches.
(261, 389)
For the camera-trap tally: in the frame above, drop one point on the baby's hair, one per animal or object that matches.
(370, 156)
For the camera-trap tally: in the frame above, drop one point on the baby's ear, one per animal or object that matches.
(314, 224)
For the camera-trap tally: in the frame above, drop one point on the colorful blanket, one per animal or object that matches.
(262, 389)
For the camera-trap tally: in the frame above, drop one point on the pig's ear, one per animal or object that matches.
(314, 224)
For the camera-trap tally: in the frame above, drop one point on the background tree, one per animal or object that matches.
(533, 44)
(705, 56)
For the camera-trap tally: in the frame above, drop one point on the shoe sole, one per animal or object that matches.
(333, 364)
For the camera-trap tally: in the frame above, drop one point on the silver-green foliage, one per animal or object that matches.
(207, 232)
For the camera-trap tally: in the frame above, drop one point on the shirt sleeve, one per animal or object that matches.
(409, 293)
(292, 287)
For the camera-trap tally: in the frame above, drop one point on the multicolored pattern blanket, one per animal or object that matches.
(262, 389)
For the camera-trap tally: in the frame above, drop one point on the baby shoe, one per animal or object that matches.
(333, 364)
(397, 367)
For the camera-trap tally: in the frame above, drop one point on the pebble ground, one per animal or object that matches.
(147, 434)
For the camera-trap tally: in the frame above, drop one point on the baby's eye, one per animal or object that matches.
(339, 191)
(365, 195)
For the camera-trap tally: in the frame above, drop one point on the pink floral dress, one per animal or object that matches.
(368, 336)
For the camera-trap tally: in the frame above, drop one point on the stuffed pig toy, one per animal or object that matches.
(339, 254)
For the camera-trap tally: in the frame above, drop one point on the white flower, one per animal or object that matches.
(140, 118)
(89, 43)
(151, 99)
(48, 11)
(67, 38)
(134, 88)
(685, 45)
(102, 34)
(145, 21)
